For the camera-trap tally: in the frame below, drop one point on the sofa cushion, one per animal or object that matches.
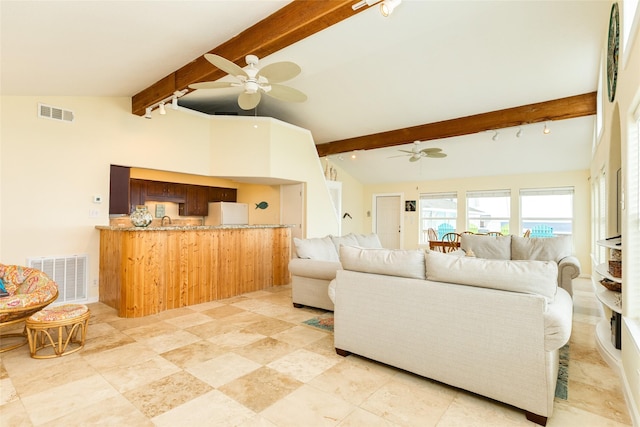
(541, 249)
(490, 247)
(346, 240)
(368, 241)
(531, 277)
(391, 262)
(320, 248)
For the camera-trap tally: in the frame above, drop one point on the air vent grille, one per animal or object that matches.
(69, 272)
(55, 113)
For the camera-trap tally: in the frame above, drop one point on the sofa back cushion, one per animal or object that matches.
(346, 240)
(541, 249)
(319, 248)
(391, 262)
(490, 247)
(370, 240)
(531, 277)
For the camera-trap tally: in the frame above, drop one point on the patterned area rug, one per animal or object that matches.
(562, 386)
(325, 322)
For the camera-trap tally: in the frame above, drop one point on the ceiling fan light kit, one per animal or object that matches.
(256, 81)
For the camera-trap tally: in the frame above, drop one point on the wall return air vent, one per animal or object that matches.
(55, 113)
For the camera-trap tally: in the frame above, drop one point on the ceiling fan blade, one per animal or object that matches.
(400, 155)
(211, 85)
(280, 71)
(248, 101)
(225, 65)
(431, 150)
(436, 155)
(407, 151)
(286, 93)
(414, 158)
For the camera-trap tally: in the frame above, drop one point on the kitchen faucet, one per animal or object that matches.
(162, 220)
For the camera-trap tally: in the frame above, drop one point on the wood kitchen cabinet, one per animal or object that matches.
(136, 193)
(196, 201)
(165, 192)
(119, 190)
(222, 194)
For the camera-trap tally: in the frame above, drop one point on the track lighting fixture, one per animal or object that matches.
(387, 7)
(363, 3)
(495, 135)
(546, 130)
(160, 105)
(519, 133)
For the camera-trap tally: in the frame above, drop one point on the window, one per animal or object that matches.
(488, 211)
(546, 212)
(438, 211)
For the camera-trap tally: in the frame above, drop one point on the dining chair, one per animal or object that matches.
(451, 242)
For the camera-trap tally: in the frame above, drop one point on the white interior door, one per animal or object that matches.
(387, 220)
(292, 209)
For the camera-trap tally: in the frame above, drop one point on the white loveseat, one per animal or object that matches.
(493, 327)
(315, 263)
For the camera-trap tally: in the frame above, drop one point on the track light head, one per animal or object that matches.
(546, 130)
(387, 7)
(162, 109)
(495, 135)
(519, 133)
(174, 102)
(147, 113)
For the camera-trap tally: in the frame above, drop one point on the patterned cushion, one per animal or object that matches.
(62, 312)
(27, 287)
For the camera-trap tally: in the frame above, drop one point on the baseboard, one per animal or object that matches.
(628, 397)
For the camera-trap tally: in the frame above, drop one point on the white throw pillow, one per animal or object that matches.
(541, 248)
(490, 247)
(391, 262)
(346, 240)
(368, 241)
(531, 277)
(320, 248)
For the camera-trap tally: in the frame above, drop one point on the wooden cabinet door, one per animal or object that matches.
(119, 190)
(136, 193)
(165, 191)
(222, 194)
(196, 201)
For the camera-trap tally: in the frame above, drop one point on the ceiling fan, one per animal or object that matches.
(416, 154)
(256, 81)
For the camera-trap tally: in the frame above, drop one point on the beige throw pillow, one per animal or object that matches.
(490, 247)
(541, 249)
(319, 248)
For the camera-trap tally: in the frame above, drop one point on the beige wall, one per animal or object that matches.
(50, 170)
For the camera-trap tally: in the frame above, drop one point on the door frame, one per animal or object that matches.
(374, 213)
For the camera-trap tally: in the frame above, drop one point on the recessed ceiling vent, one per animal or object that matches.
(54, 113)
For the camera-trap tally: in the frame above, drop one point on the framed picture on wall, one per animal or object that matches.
(410, 206)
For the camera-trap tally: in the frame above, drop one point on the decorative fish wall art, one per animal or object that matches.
(262, 205)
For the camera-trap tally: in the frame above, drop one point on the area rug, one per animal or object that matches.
(325, 322)
(562, 386)
(322, 322)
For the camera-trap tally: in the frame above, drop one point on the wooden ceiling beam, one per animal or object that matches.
(558, 109)
(294, 22)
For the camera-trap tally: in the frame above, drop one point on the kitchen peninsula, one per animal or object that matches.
(145, 271)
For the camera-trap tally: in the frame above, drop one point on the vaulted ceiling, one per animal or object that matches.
(437, 71)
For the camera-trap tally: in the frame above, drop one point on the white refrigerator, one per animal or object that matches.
(227, 213)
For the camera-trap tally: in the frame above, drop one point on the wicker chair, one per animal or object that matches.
(30, 291)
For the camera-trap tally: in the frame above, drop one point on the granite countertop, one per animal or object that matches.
(188, 227)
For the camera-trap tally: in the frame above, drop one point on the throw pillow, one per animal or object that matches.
(320, 248)
(541, 248)
(391, 262)
(531, 277)
(368, 241)
(490, 247)
(347, 240)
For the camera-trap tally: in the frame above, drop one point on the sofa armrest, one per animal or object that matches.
(557, 321)
(313, 268)
(568, 269)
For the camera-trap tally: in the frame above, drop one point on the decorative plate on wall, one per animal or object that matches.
(612, 51)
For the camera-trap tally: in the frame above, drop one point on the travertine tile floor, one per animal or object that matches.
(249, 361)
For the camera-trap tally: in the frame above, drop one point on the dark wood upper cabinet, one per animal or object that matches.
(196, 203)
(119, 190)
(137, 189)
(159, 191)
(222, 194)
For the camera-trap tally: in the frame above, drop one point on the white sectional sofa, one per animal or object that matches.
(493, 327)
(315, 263)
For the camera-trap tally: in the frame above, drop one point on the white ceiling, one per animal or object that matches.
(429, 61)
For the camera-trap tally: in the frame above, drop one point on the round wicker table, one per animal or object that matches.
(62, 329)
